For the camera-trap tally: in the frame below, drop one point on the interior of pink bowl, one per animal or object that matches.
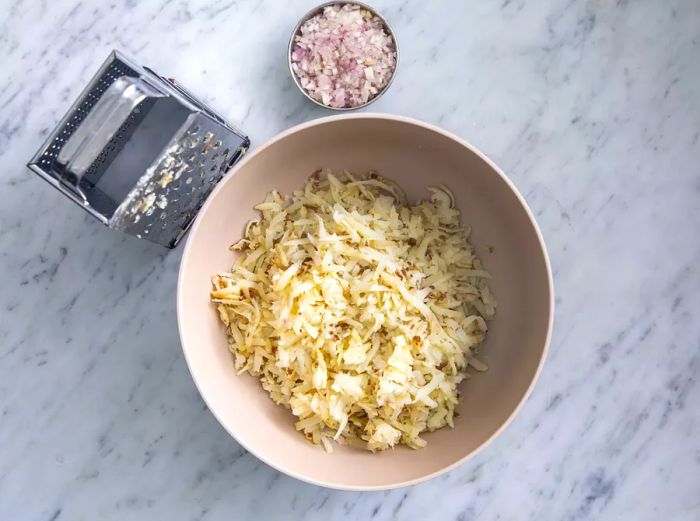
(416, 156)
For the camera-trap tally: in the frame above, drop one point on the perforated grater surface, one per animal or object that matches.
(138, 152)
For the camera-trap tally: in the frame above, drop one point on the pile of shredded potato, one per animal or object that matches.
(357, 311)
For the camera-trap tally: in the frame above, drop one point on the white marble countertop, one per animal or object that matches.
(592, 108)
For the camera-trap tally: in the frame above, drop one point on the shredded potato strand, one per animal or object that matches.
(356, 311)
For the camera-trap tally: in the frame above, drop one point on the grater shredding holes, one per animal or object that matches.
(113, 72)
(111, 146)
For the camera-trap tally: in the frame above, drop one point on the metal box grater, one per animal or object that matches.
(139, 152)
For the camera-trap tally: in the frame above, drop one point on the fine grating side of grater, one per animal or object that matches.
(139, 152)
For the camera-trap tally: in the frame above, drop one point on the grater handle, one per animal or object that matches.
(97, 129)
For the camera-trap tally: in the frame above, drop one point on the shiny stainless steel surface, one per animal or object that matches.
(138, 152)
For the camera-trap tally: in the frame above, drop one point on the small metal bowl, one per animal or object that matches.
(318, 9)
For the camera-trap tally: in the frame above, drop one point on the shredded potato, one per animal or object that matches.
(358, 312)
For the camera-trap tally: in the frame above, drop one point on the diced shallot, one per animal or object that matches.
(343, 56)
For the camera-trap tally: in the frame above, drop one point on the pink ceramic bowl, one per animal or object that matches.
(505, 236)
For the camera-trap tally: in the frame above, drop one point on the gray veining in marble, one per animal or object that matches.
(591, 107)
